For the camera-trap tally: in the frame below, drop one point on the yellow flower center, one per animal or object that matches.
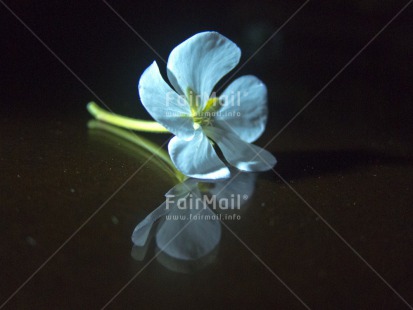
(204, 117)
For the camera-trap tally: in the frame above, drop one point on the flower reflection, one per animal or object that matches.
(189, 229)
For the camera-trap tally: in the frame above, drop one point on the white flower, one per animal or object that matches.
(198, 119)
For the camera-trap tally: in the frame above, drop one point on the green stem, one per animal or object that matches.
(123, 121)
(155, 149)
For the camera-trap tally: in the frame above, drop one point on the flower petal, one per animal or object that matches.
(164, 104)
(197, 158)
(245, 107)
(244, 156)
(193, 234)
(200, 62)
(237, 191)
(141, 231)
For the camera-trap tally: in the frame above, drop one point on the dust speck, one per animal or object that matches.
(115, 220)
(31, 241)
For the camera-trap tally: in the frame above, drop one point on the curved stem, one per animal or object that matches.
(163, 157)
(123, 121)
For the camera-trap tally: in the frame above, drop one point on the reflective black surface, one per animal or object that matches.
(346, 158)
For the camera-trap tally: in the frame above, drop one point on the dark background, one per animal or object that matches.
(348, 155)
